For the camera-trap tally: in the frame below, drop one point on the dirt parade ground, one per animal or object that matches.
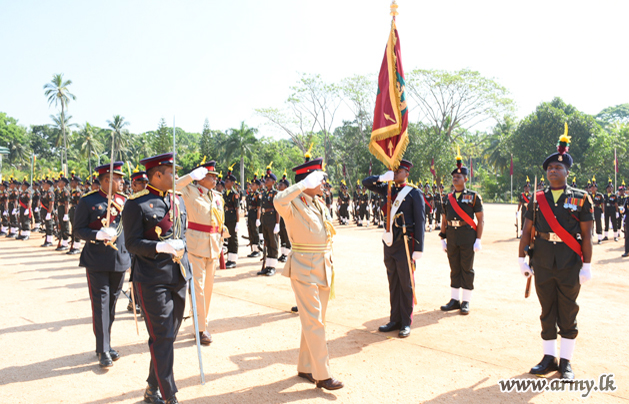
(48, 345)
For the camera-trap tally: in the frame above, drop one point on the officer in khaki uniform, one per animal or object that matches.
(206, 216)
(309, 267)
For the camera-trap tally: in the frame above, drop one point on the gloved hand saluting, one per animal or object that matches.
(198, 173)
(314, 179)
(386, 177)
(524, 267)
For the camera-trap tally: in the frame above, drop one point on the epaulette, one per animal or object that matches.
(411, 185)
(89, 193)
(122, 194)
(139, 194)
(176, 192)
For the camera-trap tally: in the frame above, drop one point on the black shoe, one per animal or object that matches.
(294, 309)
(19, 237)
(152, 395)
(547, 365)
(465, 308)
(566, 370)
(282, 258)
(270, 271)
(73, 251)
(230, 265)
(605, 238)
(452, 305)
(437, 227)
(625, 255)
(104, 360)
(46, 244)
(114, 355)
(263, 271)
(405, 331)
(359, 225)
(254, 254)
(61, 248)
(391, 326)
(172, 400)
(3, 233)
(307, 376)
(615, 238)
(600, 242)
(11, 235)
(42, 230)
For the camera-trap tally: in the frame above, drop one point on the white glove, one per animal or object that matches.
(617, 215)
(5, 213)
(276, 229)
(36, 210)
(48, 217)
(417, 255)
(66, 218)
(176, 247)
(106, 233)
(386, 177)
(444, 244)
(524, 267)
(237, 229)
(586, 273)
(14, 212)
(198, 173)
(477, 246)
(258, 223)
(25, 211)
(314, 179)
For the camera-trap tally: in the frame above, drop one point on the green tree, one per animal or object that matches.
(611, 115)
(58, 93)
(240, 142)
(89, 144)
(121, 136)
(162, 138)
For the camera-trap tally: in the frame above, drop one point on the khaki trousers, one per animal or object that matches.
(203, 270)
(312, 301)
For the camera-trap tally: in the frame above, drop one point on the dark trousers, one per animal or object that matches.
(254, 235)
(104, 288)
(14, 220)
(71, 212)
(597, 220)
(270, 240)
(163, 307)
(400, 287)
(461, 256)
(5, 219)
(523, 212)
(438, 214)
(284, 240)
(48, 224)
(626, 238)
(64, 227)
(343, 212)
(25, 220)
(557, 290)
(232, 242)
(429, 214)
(610, 216)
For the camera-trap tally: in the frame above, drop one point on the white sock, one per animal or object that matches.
(454, 293)
(567, 348)
(550, 347)
(49, 239)
(26, 233)
(64, 243)
(467, 295)
(261, 237)
(520, 232)
(605, 234)
(271, 262)
(232, 257)
(3, 229)
(600, 237)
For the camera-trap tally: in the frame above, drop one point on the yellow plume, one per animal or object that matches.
(458, 153)
(232, 166)
(72, 172)
(136, 169)
(203, 161)
(527, 179)
(308, 154)
(565, 138)
(323, 166)
(593, 178)
(284, 171)
(269, 166)
(623, 182)
(357, 182)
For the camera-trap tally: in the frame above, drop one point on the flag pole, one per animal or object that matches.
(615, 170)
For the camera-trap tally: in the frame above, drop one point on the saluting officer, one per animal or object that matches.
(232, 218)
(309, 267)
(270, 223)
(105, 265)
(206, 218)
(562, 259)
(460, 238)
(151, 220)
(253, 217)
(598, 200)
(26, 211)
(407, 210)
(611, 209)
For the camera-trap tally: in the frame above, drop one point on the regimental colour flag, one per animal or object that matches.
(389, 136)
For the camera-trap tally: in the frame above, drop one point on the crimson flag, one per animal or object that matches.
(432, 167)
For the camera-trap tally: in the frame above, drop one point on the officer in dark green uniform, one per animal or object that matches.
(4, 212)
(611, 209)
(26, 211)
(561, 263)
(13, 208)
(523, 202)
(270, 223)
(460, 237)
(343, 204)
(599, 203)
(63, 213)
(48, 211)
(36, 206)
(232, 218)
(75, 196)
(253, 217)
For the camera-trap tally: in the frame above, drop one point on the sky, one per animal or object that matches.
(198, 59)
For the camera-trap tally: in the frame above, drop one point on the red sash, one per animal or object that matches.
(460, 211)
(525, 198)
(25, 207)
(563, 234)
(427, 203)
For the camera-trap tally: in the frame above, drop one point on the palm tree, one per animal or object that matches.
(58, 93)
(120, 135)
(90, 144)
(60, 124)
(240, 141)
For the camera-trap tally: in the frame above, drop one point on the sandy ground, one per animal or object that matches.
(48, 345)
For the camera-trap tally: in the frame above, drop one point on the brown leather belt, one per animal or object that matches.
(552, 237)
(457, 223)
(268, 210)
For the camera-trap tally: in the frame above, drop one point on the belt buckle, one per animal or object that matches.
(456, 223)
(554, 238)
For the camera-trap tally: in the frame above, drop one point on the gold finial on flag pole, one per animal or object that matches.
(394, 9)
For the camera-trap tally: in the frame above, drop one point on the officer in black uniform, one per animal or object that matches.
(285, 244)
(621, 203)
(343, 204)
(460, 238)
(63, 213)
(48, 211)
(438, 206)
(232, 218)
(75, 196)
(561, 263)
(407, 209)
(105, 265)
(26, 211)
(429, 202)
(151, 220)
(36, 198)
(4, 210)
(599, 203)
(623, 206)
(611, 209)
(523, 202)
(270, 223)
(13, 209)
(253, 217)
(329, 197)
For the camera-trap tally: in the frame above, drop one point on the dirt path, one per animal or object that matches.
(48, 345)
